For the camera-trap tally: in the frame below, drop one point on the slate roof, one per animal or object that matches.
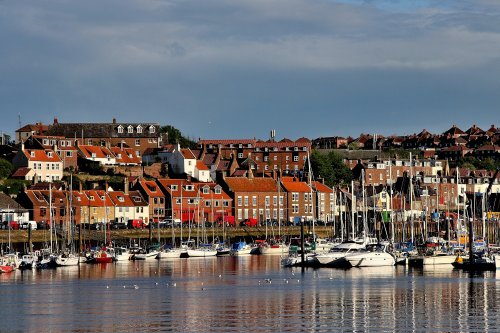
(102, 130)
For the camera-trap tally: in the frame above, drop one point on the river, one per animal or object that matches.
(247, 294)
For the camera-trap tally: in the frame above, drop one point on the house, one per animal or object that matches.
(255, 197)
(101, 207)
(125, 156)
(216, 205)
(286, 155)
(182, 199)
(99, 154)
(201, 172)
(62, 146)
(24, 173)
(46, 164)
(39, 202)
(154, 197)
(128, 207)
(325, 209)
(299, 198)
(23, 133)
(11, 210)
(137, 136)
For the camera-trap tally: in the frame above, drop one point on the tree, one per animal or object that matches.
(331, 168)
(173, 136)
(6, 168)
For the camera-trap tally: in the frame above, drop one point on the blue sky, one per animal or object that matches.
(237, 69)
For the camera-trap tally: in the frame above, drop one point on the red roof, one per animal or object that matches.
(95, 198)
(21, 172)
(296, 186)
(320, 187)
(95, 151)
(120, 199)
(201, 166)
(125, 155)
(151, 188)
(187, 153)
(241, 184)
(41, 155)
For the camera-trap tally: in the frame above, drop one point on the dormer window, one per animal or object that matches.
(151, 129)
(119, 156)
(130, 129)
(91, 197)
(205, 190)
(136, 199)
(45, 142)
(295, 148)
(94, 155)
(49, 154)
(121, 199)
(217, 190)
(173, 187)
(189, 187)
(304, 148)
(120, 129)
(32, 154)
(139, 129)
(275, 148)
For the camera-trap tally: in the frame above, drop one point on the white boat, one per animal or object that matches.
(241, 248)
(205, 250)
(274, 248)
(375, 255)
(170, 253)
(121, 253)
(150, 253)
(28, 261)
(337, 253)
(66, 259)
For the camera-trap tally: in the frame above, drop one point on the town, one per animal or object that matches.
(141, 175)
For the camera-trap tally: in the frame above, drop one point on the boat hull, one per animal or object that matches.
(201, 253)
(274, 250)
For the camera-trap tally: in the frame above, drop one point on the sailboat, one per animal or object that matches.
(275, 247)
(204, 249)
(69, 258)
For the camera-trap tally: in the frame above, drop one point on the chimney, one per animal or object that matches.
(250, 173)
(125, 185)
(114, 120)
(80, 187)
(56, 121)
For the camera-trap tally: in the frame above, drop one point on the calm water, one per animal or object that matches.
(231, 294)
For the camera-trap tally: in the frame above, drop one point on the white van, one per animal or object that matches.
(26, 225)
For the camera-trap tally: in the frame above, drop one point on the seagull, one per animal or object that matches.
(156, 283)
(174, 284)
(107, 287)
(220, 275)
(136, 286)
(124, 287)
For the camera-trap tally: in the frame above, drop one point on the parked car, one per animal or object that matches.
(136, 224)
(13, 225)
(28, 224)
(118, 225)
(249, 223)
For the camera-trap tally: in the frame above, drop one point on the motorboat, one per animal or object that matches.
(334, 257)
(66, 259)
(28, 261)
(150, 253)
(374, 255)
(240, 248)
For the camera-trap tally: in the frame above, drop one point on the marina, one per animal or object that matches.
(242, 293)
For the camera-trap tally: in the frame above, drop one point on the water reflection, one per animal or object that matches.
(252, 293)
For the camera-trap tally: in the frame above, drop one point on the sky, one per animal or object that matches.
(228, 69)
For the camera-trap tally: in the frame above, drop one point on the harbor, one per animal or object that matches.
(233, 294)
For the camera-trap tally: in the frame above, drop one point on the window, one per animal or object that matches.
(296, 158)
(120, 129)
(275, 157)
(275, 200)
(295, 196)
(254, 200)
(245, 200)
(205, 190)
(207, 203)
(137, 142)
(240, 155)
(239, 200)
(267, 200)
(240, 214)
(32, 154)
(151, 129)
(217, 190)
(69, 154)
(306, 196)
(139, 129)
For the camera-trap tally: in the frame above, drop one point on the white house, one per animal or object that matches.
(99, 154)
(46, 164)
(129, 206)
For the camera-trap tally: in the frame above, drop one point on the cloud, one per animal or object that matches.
(261, 59)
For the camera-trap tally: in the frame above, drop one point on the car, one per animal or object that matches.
(118, 225)
(13, 225)
(136, 224)
(28, 224)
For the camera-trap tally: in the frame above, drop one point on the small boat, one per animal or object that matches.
(150, 253)
(374, 255)
(102, 256)
(479, 263)
(223, 250)
(121, 253)
(274, 248)
(66, 259)
(241, 248)
(204, 250)
(169, 253)
(334, 258)
(28, 261)
(8, 263)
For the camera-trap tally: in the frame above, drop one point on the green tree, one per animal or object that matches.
(173, 136)
(13, 186)
(331, 167)
(6, 168)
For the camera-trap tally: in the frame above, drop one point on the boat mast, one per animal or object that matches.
(50, 215)
(411, 201)
(390, 202)
(353, 210)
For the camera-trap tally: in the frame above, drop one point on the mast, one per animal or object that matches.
(390, 202)
(411, 200)
(50, 215)
(353, 208)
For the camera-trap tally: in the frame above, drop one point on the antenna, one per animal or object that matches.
(273, 134)
(19, 119)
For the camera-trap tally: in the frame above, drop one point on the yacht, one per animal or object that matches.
(374, 255)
